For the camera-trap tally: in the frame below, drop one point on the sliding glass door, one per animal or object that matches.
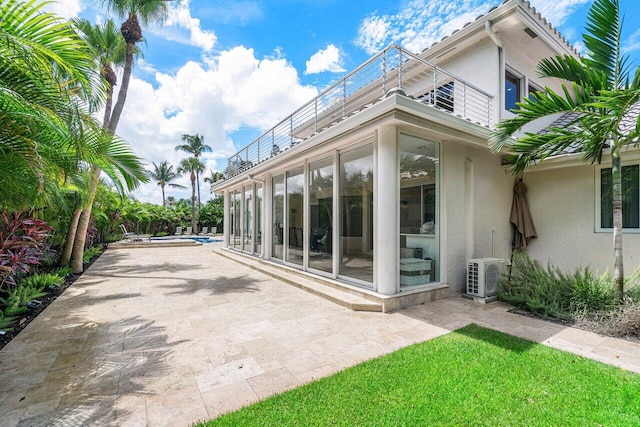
(321, 215)
(356, 210)
(295, 216)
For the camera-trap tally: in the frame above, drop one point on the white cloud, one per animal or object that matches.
(325, 60)
(65, 8)
(180, 18)
(557, 12)
(420, 23)
(632, 43)
(229, 92)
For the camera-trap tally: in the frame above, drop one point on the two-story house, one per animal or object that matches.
(385, 181)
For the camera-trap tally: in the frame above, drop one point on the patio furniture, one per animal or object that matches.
(214, 230)
(129, 236)
(205, 230)
(189, 231)
(178, 231)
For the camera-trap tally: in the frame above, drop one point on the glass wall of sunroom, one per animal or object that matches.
(322, 216)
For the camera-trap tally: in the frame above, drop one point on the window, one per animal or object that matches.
(630, 197)
(511, 90)
(277, 239)
(356, 205)
(531, 89)
(321, 214)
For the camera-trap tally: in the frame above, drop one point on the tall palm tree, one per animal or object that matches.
(604, 101)
(136, 12)
(110, 51)
(193, 166)
(194, 144)
(164, 174)
(108, 48)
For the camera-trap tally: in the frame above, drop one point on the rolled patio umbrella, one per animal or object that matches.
(523, 228)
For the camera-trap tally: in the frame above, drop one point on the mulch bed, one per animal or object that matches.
(21, 322)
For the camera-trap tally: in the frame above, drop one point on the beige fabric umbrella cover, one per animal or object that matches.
(524, 230)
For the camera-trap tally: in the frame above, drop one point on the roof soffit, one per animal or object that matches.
(504, 15)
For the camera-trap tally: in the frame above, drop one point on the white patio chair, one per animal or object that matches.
(205, 230)
(178, 231)
(189, 231)
(129, 236)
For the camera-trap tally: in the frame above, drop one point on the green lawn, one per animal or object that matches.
(470, 377)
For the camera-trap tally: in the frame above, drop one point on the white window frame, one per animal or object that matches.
(598, 194)
(522, 88)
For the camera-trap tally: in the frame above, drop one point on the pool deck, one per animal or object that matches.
(165, 337)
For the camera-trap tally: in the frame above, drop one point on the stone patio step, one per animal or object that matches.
(352, 297)
(304, 281)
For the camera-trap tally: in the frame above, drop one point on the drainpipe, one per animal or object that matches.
(501, 66)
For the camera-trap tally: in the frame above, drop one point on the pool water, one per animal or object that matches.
(196, 238)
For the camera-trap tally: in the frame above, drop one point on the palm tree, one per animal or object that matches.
(164, 174)
(194, 144)
(136, 11)
(602, 98)
(46, 77)
(213, 177)
(193, 166)
(108, 50)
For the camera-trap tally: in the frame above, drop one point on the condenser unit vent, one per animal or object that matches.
(483, 275)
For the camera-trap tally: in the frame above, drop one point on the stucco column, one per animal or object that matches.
(386, 231)
(225, 223)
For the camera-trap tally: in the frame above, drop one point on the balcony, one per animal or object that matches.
(393, 70)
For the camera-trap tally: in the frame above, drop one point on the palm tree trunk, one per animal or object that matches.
(194, 224)
(124, 87)
(71, 235)
(616, 172)
(83, 223)
(164, 202)
(107, 108)
(198, 181)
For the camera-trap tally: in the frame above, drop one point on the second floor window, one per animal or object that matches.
(512, 88)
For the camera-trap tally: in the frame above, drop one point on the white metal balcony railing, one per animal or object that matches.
(392, 68)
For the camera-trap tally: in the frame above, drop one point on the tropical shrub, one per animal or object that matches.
(551, 293)
(18, 299)
(42, 281)
(91, 253)
(23, 244)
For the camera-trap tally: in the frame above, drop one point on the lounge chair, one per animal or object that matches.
(178, 231)
(128, 236)
(205, 230)
(214, 230)
(189, 231)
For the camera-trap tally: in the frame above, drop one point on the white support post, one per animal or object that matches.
(386, 224)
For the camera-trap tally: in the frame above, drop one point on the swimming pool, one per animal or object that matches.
(201, 239)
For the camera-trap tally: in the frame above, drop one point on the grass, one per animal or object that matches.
(470, 377)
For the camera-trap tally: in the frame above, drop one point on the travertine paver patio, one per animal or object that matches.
(169, 336)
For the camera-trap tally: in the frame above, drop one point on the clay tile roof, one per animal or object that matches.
(527, 4)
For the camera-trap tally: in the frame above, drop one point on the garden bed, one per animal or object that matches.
(21, 321)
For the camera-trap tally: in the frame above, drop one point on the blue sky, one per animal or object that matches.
(229, 70)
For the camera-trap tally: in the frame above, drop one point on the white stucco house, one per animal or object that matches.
(385, 181)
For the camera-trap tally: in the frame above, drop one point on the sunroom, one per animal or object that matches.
(370, 184)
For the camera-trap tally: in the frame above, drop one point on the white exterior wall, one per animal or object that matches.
(562, 204)
(492, 191)
(479, 66)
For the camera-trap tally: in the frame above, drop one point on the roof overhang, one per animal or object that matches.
(396, 109)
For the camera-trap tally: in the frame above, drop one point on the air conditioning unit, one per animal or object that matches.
(483, 275)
